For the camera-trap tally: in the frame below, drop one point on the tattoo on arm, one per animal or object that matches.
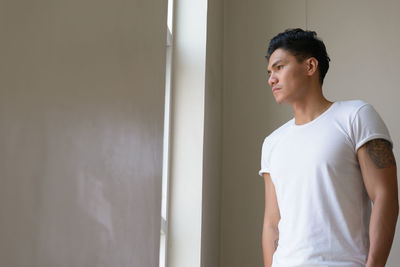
(276, 243)
(380, 152)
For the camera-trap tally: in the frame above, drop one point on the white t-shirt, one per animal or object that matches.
(324, 207)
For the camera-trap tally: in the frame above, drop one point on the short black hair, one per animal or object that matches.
(302, 44)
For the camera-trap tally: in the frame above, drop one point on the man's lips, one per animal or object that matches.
(275, 89)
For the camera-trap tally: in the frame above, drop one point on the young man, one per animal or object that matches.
(322, 168)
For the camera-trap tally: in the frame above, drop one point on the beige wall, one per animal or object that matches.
(81, 120)
(361, 39)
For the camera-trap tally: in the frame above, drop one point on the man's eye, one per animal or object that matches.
(279, 67)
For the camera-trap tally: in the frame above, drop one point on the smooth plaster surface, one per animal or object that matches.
(81, 121)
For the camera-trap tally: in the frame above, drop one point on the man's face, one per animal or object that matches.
(287, 76)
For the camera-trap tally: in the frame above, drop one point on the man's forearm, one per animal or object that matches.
(381, 230)
(270, 237)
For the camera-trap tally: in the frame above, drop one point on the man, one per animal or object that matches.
(322, 168)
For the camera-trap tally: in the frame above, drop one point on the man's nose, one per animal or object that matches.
(272, 80)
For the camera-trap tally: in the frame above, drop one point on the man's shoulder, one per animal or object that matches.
(351, 104)
(349, 108)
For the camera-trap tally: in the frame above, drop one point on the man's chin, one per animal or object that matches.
(279, 100)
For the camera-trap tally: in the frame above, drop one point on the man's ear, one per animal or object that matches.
(311, 65)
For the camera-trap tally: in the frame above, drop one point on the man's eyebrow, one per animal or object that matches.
(276, 62)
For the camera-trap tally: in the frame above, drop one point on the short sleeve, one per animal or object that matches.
(265, 156)
(368, 125)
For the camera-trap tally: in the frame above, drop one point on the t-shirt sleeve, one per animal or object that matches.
(368, 125)
(265, 156)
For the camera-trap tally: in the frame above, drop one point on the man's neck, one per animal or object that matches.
(310, 108)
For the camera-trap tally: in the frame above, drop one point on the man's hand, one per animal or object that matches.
(270, 235)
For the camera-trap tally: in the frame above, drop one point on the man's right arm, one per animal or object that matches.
(270, 234)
